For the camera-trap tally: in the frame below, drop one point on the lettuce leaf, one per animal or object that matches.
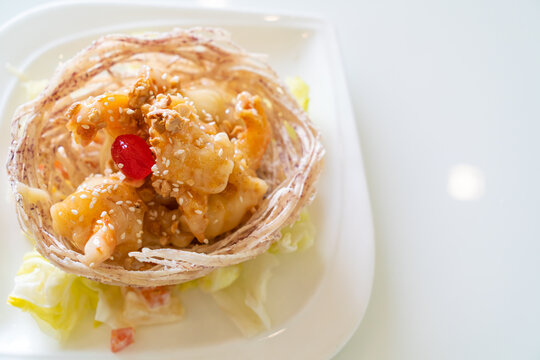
(57, 300)
(296, 237)
(219, 279)
(300, 90)
(244, 300)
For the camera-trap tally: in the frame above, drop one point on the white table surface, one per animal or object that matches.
(447, 100)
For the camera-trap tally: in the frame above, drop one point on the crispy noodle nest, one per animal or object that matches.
(42, 150)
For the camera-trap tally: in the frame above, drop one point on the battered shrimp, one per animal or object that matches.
(102, 218)
(108, 111)
(188, 150)
(254, 140)
(192, 160)
(208, 143)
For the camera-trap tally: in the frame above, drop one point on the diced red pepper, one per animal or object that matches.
(156, 296)
(120, 338)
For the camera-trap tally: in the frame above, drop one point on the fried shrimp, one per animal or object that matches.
(102, 218)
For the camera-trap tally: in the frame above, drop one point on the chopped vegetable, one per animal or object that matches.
(296, 237)
(57, 300)
(121, 338)
(300, 90)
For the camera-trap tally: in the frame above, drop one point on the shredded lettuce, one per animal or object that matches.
(220, 278)
(244, 300)
(57, 300)
(300, 90)
(296, 237)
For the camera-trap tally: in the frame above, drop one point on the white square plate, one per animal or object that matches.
(317, 298)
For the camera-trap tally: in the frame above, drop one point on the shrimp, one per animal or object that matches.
(229, 208)
(254, 140)
(102, 218)
(117, 113)
(109, 111)
(188, 151)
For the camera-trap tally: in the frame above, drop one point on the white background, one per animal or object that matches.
(447, 100)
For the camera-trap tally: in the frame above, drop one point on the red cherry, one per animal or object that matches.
(133, 156)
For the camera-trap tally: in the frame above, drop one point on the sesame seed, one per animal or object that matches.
(241, 199)
(199, 212)
(189, 194)
(179, 152)
(99, 222)
(132, 208)
(120, 110)
(111, 226)
(106, 103)
(103, 213)
(139, 221)
(164, 76)
(60, 213)
(165, 172)
(175, 78)
(139, 242)
(111, 118)
(180, 201)
(220, 152)
(174, 217)
(115, 186)
(83, 196)
(111, 99)
(205, 241)
(163, 233)
(79, 118)
(111, 211)
(123, 236)
(119, 202)
(74, 212)
(120, 165)
(109, 111)
(130, 112)
(175, 189)
(111, 258)
(167, 163)
(85, 127)
(95, 193)
(151, 203)
(128, 202)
